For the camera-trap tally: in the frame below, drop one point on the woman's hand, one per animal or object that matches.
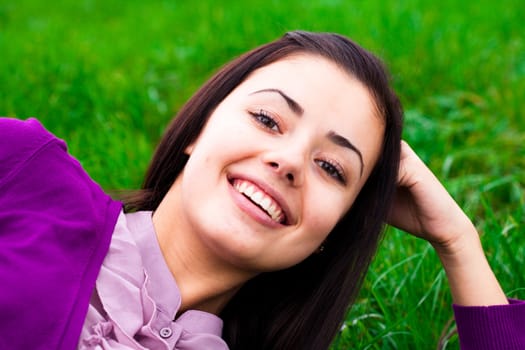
(423, 208)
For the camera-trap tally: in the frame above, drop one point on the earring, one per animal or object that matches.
(320, 249)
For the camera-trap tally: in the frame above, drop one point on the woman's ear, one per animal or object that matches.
(189, 149)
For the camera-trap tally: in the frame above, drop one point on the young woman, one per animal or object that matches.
(258, 218)
(260, 213)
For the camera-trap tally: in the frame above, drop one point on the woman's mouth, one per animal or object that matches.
(260, 198)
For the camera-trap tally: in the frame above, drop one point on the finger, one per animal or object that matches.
(406, 154)
(412, 169)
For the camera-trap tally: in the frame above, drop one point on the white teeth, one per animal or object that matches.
(275, 214)
(249, 191)
(260, 198)
(265, 203)
(257, 197)
(242, 187)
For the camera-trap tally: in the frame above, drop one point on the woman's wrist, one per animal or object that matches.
(471, 280)
(463, 241)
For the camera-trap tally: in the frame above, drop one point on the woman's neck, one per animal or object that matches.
(206, 282)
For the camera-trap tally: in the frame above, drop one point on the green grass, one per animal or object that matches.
(108, 75)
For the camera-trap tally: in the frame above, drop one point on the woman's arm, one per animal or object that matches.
(424, 208)
(484, 318)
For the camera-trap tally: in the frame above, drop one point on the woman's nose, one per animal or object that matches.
(287, 165)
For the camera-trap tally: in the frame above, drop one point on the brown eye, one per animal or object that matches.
(332, 170)
(263, 118)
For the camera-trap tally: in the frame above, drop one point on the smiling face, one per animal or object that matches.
(279, 162)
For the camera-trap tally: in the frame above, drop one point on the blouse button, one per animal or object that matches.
(165, 332)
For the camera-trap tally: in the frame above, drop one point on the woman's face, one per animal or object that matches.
(278, 164)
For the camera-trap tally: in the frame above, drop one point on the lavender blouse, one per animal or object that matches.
(136, 300)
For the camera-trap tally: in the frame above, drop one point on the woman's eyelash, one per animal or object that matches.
(264, 118)
(332, 169)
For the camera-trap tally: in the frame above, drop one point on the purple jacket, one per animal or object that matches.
(55, 230)
(495, 327)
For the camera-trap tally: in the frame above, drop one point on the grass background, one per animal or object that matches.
(107, 76)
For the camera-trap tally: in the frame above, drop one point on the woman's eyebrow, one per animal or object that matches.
(294, 106)
(342, 141)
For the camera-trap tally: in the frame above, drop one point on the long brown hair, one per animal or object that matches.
(301, 307)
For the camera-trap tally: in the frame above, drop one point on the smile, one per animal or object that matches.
(261, 199)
